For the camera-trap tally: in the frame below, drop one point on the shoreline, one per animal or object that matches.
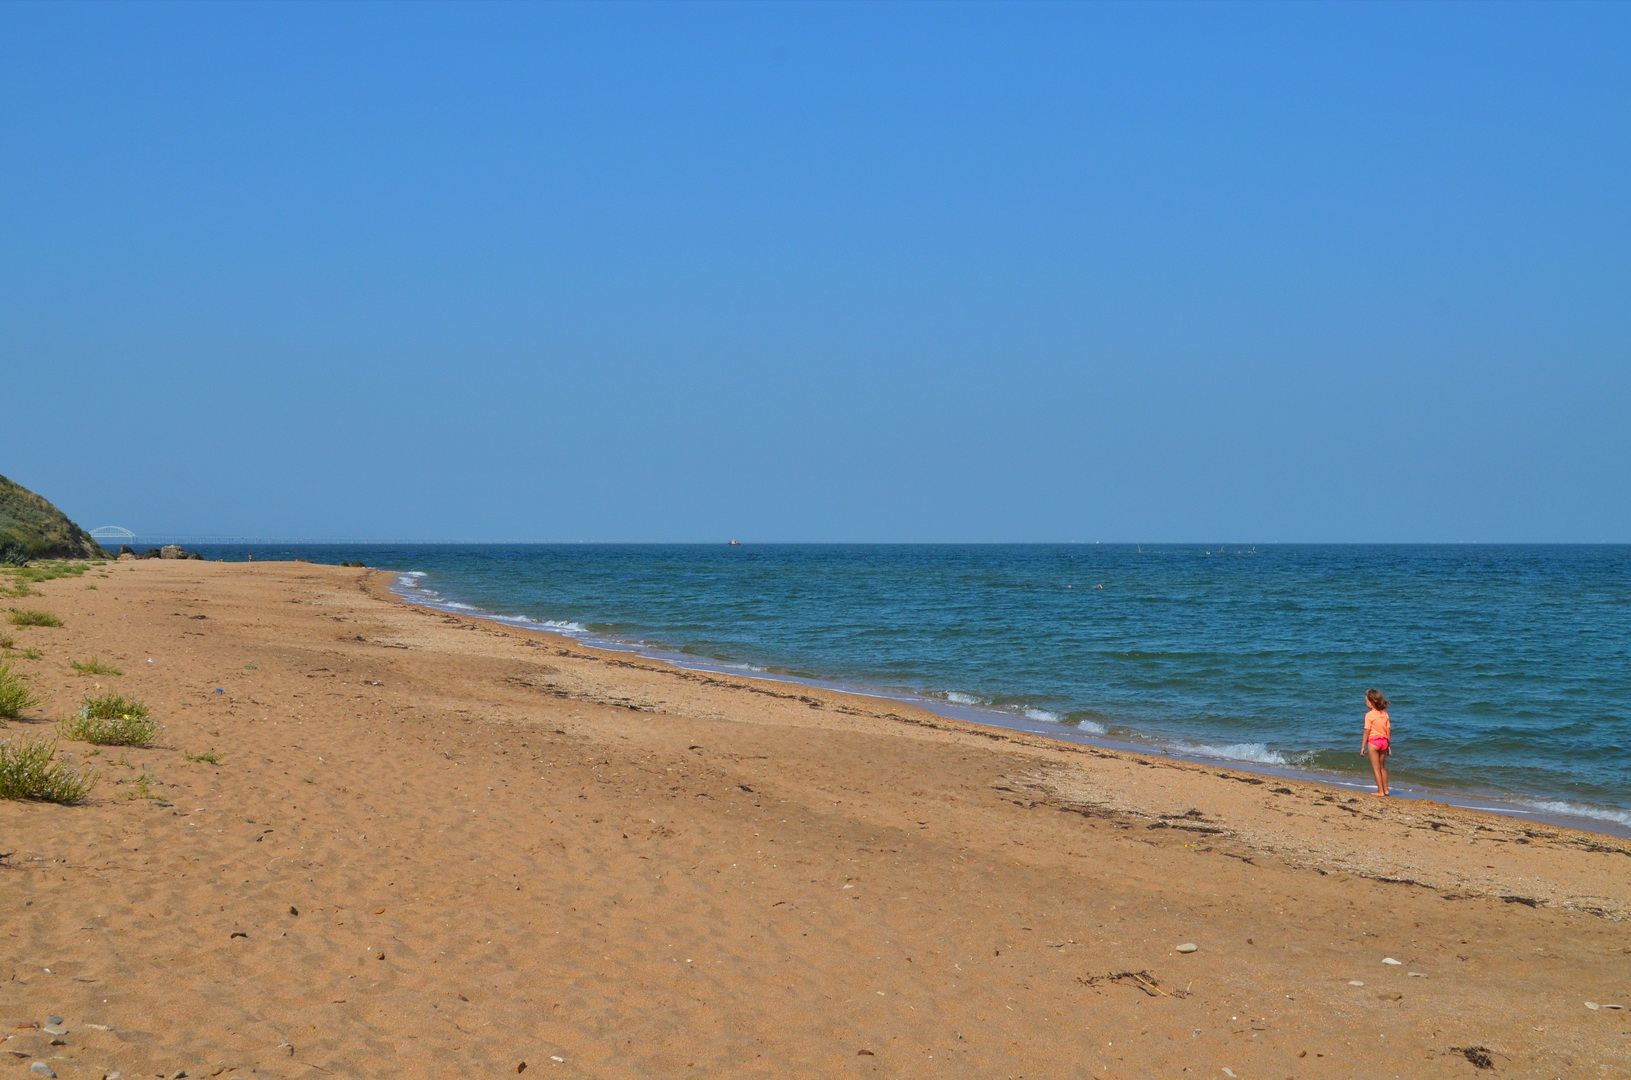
(430, 838)
(1505, 804)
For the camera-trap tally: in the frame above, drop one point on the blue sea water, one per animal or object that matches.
(1509, 667)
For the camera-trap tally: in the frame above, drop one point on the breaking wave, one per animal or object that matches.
(1255, 752)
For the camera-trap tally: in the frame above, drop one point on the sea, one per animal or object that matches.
(1508, 666)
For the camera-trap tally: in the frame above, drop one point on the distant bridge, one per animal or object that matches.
(113, 532)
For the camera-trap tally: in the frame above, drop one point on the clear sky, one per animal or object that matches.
(1259, 273)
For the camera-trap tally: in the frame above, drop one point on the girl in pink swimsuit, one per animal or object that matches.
(1377, 741)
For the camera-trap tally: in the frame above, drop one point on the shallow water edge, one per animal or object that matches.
(406, 586)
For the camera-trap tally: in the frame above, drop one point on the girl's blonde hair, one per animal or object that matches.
(1376, 698)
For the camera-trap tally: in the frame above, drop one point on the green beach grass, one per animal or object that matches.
(112, 720)
(28, 770)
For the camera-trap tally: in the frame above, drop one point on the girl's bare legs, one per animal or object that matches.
(1378, 766)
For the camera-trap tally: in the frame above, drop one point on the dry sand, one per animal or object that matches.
(436, 846)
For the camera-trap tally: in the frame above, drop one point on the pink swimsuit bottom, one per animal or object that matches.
(1380, 744)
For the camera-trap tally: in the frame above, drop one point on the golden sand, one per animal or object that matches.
(436, 846)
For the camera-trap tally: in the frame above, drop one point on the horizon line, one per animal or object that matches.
(150, 539)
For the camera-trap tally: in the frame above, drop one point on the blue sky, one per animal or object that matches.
(820, 272)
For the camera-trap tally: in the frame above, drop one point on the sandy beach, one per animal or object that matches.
(439, 846)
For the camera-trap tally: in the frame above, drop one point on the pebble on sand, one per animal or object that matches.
(42, 1069)
(1188, 946)
(1390, 960)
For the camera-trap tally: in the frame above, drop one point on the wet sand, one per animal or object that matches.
(436, 844)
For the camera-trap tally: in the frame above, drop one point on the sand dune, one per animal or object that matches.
(436, 846)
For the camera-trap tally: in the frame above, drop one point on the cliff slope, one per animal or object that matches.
(31, 526)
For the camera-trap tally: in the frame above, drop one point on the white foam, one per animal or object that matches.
(962, 699)
(1255, 752)
(1090, 727)
(1043, 715)
(1579, 810)
(413, 573)
(454, 604)
(562, 625)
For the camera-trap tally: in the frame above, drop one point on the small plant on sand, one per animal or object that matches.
(15, 693)
(93, 666)
(7, 642)
(209, 756)
(112, 720)
(33, 617)
(50, 570)
(27, 771)
(25, 654)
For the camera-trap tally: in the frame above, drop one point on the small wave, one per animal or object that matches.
(563, 625)
(962, 699)
(1043, 715)
(1579, 810)
(1090, 727)
(413, 574)
(1254, 752)
(457, 606)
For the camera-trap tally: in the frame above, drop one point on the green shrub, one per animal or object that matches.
(7, 642)
(209, 756)
(112, 720)
(26, 654)
(93, 666)
(50, 571)
(15, 693)
(27, 771)
(32, 617)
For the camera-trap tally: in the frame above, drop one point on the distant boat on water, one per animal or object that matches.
(736, 543)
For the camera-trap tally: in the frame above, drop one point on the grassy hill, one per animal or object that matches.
(31, 527)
